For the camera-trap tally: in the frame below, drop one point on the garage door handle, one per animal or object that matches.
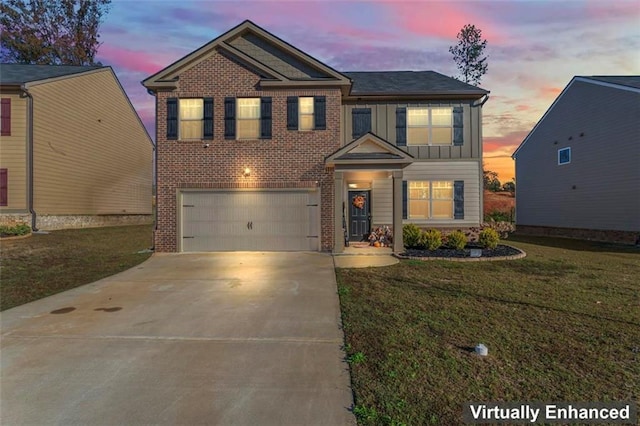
(249, 225)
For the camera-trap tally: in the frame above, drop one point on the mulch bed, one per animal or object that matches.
(443, 252)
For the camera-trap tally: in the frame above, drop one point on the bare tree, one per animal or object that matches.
(468, 54)
(51, 31)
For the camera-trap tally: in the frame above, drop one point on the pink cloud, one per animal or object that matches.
(133, 60)
(523, 108)
(549, 92)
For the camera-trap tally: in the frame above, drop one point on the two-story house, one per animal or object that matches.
(263, 147)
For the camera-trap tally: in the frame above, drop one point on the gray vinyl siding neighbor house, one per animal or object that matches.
(578, 170)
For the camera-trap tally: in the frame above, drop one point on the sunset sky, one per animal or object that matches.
(534, 47)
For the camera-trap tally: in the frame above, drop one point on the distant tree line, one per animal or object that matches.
(492, 183)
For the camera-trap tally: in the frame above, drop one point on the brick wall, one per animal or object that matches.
(290, 159)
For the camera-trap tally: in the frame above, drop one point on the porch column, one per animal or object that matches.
(398, 244)
(338, 197)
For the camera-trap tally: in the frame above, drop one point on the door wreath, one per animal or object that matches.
(358, 202)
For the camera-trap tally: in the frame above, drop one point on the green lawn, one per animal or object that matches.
(42, 265)
(563, 324)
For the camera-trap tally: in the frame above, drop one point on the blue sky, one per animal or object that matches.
(534, 47)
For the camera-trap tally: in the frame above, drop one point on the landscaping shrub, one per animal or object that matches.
(498, 216)
(502, 228)
(430, 239)
(456, 240)
(14, 231)
(489, 238)
(410, 235)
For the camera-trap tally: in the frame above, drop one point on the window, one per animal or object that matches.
(5, 117)
(3, 188)
(430, 200)
(564, 156)
(306, 119)
(248, 118)
(191, 118)
(429, 126)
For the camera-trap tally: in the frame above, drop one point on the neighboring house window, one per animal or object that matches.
(423, 200)
(248, 118)
(564, 156)
(306, 113)
(305, 108)
(429, 126)
(4, 199)
(5, 117)
(191, 118)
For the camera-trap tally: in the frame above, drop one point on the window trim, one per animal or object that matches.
(429, 126)
(238, 118)
(180, 120)
(430, 200)
(312, 114)
(562, 150)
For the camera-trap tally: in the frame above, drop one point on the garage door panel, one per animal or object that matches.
(249, 221)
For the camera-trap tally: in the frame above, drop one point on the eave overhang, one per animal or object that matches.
(385, 154)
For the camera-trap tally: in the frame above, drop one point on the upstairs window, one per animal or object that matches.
(306, 116)
(306, 113)
(429, 126)
(191, 118)
(248, 118)
(564, 156)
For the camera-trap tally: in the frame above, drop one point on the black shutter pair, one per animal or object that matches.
(319, 112)
(361, 122)
(172, 118)
(458, 199)
(401, 126)
(230, 118)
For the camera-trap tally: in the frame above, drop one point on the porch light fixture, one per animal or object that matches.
(246, 172)
(353, 185)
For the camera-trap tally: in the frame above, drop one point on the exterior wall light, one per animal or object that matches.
(246, 172)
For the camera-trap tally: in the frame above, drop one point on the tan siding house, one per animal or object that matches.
(578, 170)
(85, 158)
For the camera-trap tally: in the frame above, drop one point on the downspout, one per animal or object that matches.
(481, 177)
(34, 215)
(155, 173)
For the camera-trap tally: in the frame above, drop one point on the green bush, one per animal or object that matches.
(410, 235)
(489, 238)
(14, 231)
(456, 240)
(498, 216)
(430, 239)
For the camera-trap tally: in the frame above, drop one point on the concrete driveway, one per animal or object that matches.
(215, 338)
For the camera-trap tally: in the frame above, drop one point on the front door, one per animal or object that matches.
(359, 215)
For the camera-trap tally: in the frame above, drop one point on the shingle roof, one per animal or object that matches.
(25, 73)
(408, 83)
(621, 80)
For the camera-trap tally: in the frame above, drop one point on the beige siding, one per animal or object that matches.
(468, 171)
(383, 124)
(13, 154)
(382, 202)
(92, 154)
(600, 188)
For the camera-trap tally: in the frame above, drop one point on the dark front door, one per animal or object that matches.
(359, 215)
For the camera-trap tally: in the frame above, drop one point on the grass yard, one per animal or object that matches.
(42, 265)
(563, 324)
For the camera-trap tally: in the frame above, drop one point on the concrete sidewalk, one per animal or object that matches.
(216, 338)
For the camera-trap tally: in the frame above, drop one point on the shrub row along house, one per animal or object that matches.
(73, 151)
(262, 147)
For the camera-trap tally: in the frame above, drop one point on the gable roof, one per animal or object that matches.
(18, 74)
(627, 83)
(377, 151)
(409, 83)
(270, 56)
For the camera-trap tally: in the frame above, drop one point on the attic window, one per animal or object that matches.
(564, 156)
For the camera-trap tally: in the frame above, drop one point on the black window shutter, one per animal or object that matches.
(458, 119)
(320, 112)
(401, 126)
(229, 118)
(208, 118)
(265, 118)
(458, 199)
(292, 113)
(404, 200)
(172, 118)
(4, 200)
(361, 120)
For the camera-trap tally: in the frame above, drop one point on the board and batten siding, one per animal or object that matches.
(467, 171)
(92, 154)
(600, 188)
(383, 124)
(13, 154)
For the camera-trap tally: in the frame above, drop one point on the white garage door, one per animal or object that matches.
(249, 221)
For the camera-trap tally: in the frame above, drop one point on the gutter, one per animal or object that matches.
(34, 215)
(484, 101)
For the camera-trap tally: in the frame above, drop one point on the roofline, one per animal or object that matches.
(333, 158)
(573, 80)
(592, 80)
(30, 83)
(416, 96)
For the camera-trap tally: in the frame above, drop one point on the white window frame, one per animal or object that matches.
(430, 199)
(181, 109)
(306, 114)
(429, 126)
(560, 151)
(239, 118)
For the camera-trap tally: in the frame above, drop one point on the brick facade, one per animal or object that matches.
(290, 159)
